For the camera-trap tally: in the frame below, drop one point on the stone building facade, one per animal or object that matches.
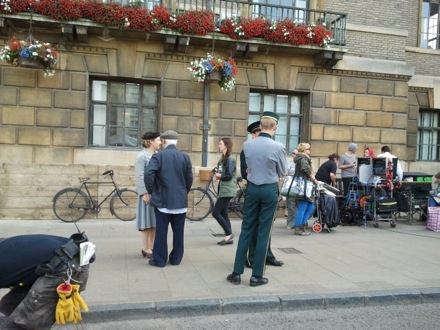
(372, 97)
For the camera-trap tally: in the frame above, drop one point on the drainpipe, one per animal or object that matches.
(205, 127)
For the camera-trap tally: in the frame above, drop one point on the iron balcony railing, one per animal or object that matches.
(228, 9)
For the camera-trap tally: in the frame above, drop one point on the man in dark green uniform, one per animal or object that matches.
(266, 163)
(255, 130)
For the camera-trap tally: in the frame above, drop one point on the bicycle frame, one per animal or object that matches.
(85, 183)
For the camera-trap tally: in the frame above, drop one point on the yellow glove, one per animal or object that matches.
(64, 310)
(78, 304)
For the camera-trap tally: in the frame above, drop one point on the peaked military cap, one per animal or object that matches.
(271, 115)
(255, 126)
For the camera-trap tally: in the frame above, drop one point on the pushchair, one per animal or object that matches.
(326, 207)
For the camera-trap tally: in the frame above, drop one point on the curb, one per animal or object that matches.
(234, 305)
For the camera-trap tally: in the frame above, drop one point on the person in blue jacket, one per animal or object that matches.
(32, 267)
(168, 178)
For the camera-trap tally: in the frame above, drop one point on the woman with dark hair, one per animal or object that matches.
(327, 171)
(226, 173)
(145, 218)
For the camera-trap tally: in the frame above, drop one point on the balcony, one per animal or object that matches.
(78, 31)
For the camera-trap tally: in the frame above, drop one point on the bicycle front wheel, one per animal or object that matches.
(237, 204)
(123, 204)
(200, 204)
(70, 204)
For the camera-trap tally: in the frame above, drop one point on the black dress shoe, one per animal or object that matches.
(234, 278)
(227, 241)
(153, 263)
(258, 280)
(274, 262)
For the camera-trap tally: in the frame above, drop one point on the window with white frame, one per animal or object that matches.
(120, 112)
(288, 107)
(430, 27)
(428, 138)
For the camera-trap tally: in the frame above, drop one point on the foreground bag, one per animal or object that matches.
(297, 187)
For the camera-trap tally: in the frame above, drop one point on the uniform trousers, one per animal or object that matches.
(160, 248)
(260, 204)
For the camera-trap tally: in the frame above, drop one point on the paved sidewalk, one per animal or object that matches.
(349, 266)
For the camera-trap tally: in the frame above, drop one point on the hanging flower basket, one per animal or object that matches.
(30, 53)
(213, 69)
(27, 62)
(215, 76)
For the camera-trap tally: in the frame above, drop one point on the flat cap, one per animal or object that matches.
(169, 135)
(255, 126)
(150, 135)
(271, 115)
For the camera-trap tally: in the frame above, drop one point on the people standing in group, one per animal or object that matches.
(291, 203)
(266, 164)
(327, 171)
(368, 153)
(386, 153)
(254, 129)
(168, 179)
(306, 207)
(226, 174)
(347, 165)
(145, 218)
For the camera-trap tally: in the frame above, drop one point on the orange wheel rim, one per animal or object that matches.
(317, 227)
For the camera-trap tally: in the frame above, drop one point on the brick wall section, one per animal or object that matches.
(424, 64)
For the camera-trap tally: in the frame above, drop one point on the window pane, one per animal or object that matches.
(117, 93)
(131, 117)
(282, 103)
(254, 102)
(132, 95)
(295, 105)
(99, 90)
(269, 102)
(98, 136)
(117, 116)
(282, 127)
(294, 126)
(149, 122)
(99, 114)
(149, 96)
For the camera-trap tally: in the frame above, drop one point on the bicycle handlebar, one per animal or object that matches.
(108, 172)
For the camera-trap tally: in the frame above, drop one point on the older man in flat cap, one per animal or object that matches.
(255, 130)
(168, 178)
(266, 163)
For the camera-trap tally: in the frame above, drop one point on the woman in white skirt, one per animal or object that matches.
(145, 218)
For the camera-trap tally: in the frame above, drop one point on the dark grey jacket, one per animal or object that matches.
(168, 178)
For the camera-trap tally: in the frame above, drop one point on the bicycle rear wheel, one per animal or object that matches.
(70, 204)
(123, 205)
(200, 204)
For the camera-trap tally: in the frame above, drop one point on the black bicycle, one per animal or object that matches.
(72, 204)
(201, 200)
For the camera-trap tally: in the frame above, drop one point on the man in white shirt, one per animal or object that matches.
(386, 153)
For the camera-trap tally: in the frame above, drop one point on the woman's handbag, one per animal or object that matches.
(297, 187)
